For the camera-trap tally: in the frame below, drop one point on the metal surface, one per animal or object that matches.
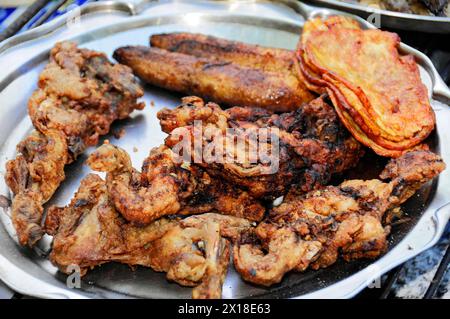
(55, 6)
(30, 12)
(431, 291)
(392, 19)
(106, 26)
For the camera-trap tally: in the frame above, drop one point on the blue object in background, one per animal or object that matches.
(7, 15)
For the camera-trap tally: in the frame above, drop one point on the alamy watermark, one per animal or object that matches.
(74, 278)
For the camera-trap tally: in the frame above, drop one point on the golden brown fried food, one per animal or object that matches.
(157, 196)
(337, 220)
(239, 53)
(220, 81)
(33, 176)
(90, 232)
(377, 92)
(167, 187)
(265, 263)
(197, 257)
(311, 144)
(80, 94)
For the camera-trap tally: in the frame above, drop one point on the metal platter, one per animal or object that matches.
(392, 19)
(107, 25)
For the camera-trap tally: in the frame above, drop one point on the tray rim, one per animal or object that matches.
(344, 289)
(398, 20)
(384, 12)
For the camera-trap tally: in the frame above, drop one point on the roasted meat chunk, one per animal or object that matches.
(303, 147)
(192, 251)
(219, 80)
(314, 229)
(166, 187)
(80, 94)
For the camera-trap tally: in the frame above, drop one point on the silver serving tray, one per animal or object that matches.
(392, 19)
(108, 25)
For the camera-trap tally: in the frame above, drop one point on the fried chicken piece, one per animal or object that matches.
(80, 94)
(33, 177)
(230, 226)
(90, 232)
(305, 146)
(337, 220)
(166, 187)
(136, 198)
(266, 263)
(216, 80)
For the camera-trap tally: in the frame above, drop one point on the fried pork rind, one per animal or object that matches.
(166, 187)
(313, 230)
(312, 144)
(377, 92)
(80, 94)
(192, 251)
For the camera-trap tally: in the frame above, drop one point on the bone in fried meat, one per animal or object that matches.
(80, 94)
(314, 229)
(90, 232)
(165, 187)
(312, 144)
(220, 81)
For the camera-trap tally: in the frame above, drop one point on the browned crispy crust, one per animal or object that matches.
(34, 175)
(80, 94)
(313, 230)
(242, 54)
(224, 82)
(312, 144)
(377, 92)
(165, 187)
(193, 251)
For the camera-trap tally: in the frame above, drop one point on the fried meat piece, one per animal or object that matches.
(216, 80)
(265, 262)
(341, 220)
(80, 94)
(33, 176)
(193, 251)
(196, 257)
(305, 146)
(166, 187)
